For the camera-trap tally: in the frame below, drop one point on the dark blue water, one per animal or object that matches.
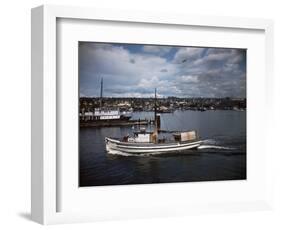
(221, 157)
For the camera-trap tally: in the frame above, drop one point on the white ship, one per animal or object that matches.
(104, 114)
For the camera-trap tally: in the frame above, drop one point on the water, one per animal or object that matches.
(221, 157)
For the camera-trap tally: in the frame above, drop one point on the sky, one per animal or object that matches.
(133, 70)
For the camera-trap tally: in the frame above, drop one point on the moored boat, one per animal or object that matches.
(103, 114)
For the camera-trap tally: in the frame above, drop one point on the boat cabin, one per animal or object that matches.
(142, 136)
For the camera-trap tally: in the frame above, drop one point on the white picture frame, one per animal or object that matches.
(45, 162)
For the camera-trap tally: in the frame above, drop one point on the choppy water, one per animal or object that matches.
(221, 157)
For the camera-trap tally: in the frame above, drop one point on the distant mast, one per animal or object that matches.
(155, 108)
(101, 89)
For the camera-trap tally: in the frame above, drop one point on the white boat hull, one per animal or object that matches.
(140, 148)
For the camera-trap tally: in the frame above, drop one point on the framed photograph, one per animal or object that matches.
(139, 115)
(146, 109)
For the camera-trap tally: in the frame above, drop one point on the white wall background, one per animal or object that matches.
(15, 112)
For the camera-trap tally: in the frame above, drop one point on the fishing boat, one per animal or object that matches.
(147, 142)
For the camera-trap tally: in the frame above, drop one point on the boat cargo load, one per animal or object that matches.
(185, 136)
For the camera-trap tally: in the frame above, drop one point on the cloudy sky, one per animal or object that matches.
(135, 70)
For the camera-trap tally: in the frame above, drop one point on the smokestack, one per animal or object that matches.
(158, 122)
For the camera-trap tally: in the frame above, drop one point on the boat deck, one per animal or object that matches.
(166, 143)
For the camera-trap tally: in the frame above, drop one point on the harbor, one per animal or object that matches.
(119, 110)
(221, 157)
(135, 146)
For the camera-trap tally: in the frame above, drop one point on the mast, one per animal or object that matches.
(155, 110)
(101, 91)
(155, 133)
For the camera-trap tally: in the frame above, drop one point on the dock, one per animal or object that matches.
(112, 123)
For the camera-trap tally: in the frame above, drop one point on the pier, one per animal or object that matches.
(112, 123)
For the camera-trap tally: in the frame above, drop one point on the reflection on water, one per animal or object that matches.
(221, 157)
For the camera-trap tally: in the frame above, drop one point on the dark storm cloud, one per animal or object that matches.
(158, 50)
(135, 70)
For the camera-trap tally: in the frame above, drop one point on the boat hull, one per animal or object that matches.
(140, 148)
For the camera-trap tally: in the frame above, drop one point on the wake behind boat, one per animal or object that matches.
(149, 142)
